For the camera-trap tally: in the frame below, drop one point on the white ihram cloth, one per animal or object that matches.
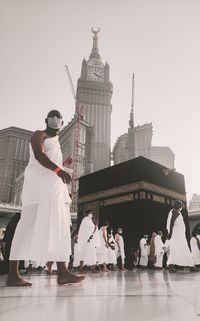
(195, 250)
(112, 255)
(77, 256)
(102, 250)
(143, 252)
(159, 251)
(43, 232)
(120, 246)
(179, 250)
(86, 247)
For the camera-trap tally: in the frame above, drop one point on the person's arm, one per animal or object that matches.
(175, 214)
(117, 240)
(91, 236)
(104, 234)
(37, 143)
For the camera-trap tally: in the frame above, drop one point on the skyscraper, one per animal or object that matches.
(143, 147)
(94, 91)
(14, 150)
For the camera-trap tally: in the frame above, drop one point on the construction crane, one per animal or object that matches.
(75, 160)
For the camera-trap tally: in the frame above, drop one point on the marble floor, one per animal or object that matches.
(131, 295)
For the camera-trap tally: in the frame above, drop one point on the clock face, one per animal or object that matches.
(95, 73)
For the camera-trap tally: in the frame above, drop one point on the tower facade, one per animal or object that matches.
(94, 92)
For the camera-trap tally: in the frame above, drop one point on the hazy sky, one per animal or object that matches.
(158, 40)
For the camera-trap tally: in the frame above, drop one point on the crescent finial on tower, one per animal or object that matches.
(95, 32)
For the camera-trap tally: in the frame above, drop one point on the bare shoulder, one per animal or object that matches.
(38, 135)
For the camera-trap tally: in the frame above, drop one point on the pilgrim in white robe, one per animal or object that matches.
(102, 249)
(86, 242)
(112, 257)
(179, 251)
(120, 247)
(159, 251)
(195, 250)
(43, 232)
(144, 251)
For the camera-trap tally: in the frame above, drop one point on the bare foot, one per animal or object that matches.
(172, 270)
(105, 270)
(49, 266)
(54, 272)
(49, 272)
(81, 272)
(17, 282)
(69, 278)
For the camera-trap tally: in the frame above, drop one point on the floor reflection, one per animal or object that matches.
(131, 295)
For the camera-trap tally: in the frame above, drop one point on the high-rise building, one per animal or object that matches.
(194, 203)
(120, 150)
(94, 91)
(14, 155)
(143, 140)
(163, 155)
(85, 145)
(142, 137)
(143, 147)
(194, 213)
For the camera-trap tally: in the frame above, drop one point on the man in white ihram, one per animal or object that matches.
(120, 245)
(144, 251)
(86, 242)
(179, 253)
(43, 232)
(159, 251)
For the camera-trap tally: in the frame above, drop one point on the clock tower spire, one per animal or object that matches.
(95, 49)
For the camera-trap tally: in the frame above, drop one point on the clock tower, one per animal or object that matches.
(94, 91)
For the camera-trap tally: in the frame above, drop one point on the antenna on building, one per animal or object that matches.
(75, 158)
(131, 121)
(131, 130)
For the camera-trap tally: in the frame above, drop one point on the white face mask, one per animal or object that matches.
(54, 122)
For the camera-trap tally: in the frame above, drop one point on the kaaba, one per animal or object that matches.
(136, 195)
